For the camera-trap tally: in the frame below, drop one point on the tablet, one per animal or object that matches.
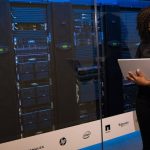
(132, 65)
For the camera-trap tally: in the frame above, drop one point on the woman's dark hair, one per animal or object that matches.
(143, 19)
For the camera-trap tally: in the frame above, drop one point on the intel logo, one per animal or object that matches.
(86, 134)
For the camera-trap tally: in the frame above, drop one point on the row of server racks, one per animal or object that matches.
(49, 76)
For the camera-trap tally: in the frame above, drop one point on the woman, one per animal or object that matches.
(143, 96)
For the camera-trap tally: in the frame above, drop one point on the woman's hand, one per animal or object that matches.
(138, 78)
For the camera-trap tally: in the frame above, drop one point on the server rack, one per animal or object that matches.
(86, 57)
(113, 93)
(66, 105)
(121, 42)
(32, 56)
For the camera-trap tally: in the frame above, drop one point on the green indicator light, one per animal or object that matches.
(32, 59)
(1, 49)
(114, 44)
(64, 46)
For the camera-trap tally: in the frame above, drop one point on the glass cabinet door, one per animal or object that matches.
(120, 40)
(62, 71)
(54, 54)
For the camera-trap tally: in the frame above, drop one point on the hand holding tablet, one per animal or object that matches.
(136, 70)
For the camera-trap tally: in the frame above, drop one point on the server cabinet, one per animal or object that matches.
(75, 72)
(66, 104)
(113, 90)
(9, 106)
(32, 55)
(86, 56)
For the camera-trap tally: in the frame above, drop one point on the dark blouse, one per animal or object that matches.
(143, 51)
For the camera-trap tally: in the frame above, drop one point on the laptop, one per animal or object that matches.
(126, 65)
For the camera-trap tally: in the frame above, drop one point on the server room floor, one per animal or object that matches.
(131, 141)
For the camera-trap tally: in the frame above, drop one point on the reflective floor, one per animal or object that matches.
(128, 142)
